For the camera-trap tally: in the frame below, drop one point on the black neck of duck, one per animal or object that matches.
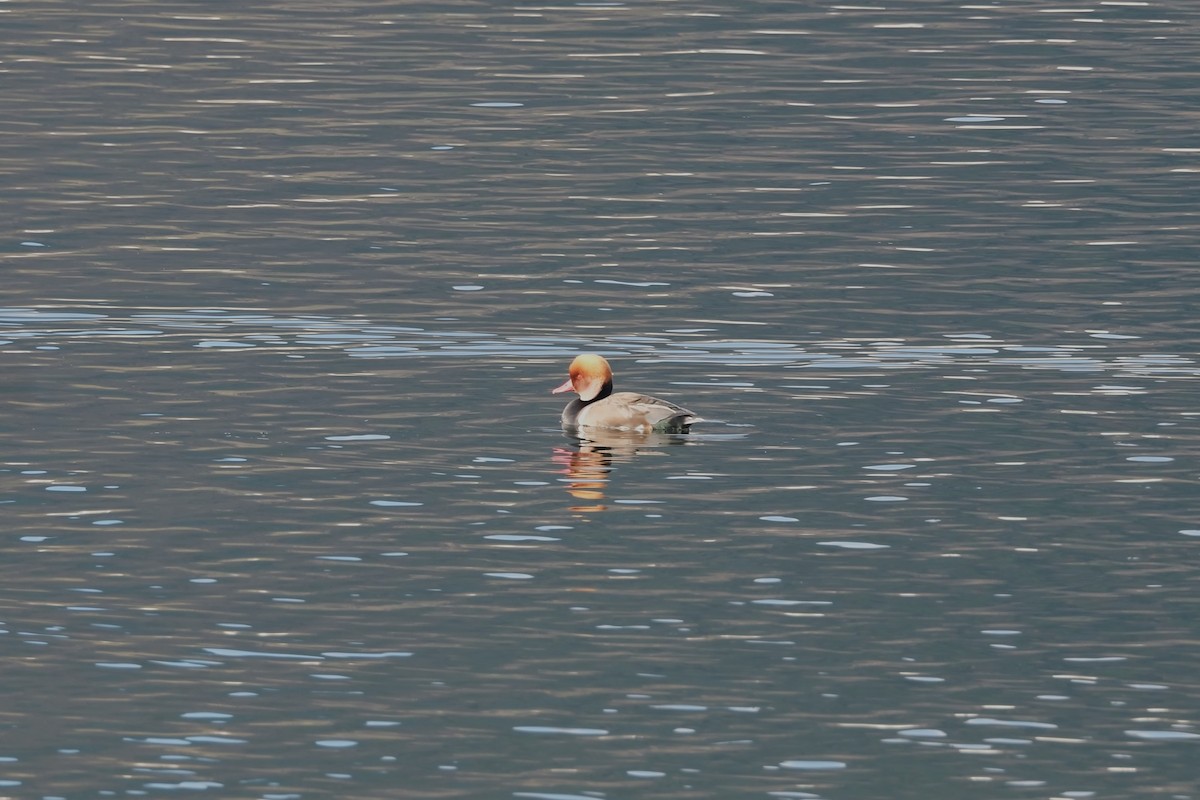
(605, 391)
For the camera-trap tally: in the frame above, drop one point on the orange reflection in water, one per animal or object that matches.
(588, 466)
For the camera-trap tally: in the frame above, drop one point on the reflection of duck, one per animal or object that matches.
(588, 467)
(587, 473)
(599, 407)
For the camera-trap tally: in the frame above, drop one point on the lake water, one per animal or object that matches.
(288, 511)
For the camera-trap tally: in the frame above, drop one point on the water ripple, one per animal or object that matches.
(296, 335)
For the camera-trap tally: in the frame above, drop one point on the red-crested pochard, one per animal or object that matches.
(599, 407)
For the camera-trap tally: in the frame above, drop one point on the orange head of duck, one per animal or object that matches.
(589, 373)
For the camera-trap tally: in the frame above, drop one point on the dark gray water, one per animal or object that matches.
(288, 513)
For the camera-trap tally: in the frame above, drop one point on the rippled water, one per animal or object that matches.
(289, 511)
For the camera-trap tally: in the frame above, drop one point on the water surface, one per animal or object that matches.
(289, 513)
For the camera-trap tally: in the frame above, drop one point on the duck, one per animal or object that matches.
(598, 406)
